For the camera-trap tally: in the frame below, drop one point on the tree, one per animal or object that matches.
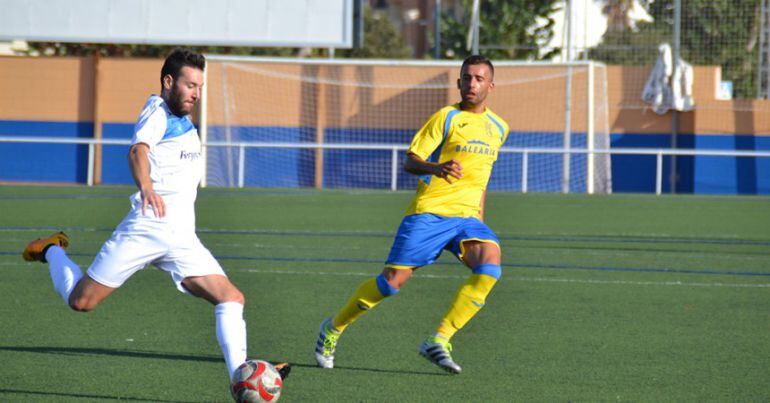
(713, 32)
(508, 25)
(723, 33)
(628, 47)
(381, 39)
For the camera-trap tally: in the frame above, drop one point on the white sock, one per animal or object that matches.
(231, 334)
(65, 274)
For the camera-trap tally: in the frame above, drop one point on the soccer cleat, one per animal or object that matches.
(283, 368)
(326, 344)
(35, 250)
(437, 351)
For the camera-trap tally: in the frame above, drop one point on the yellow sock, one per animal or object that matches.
(366, 297)
(467, 303)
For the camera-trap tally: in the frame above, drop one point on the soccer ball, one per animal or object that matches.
(256, 381)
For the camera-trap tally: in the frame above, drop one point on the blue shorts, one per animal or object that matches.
(422, 237)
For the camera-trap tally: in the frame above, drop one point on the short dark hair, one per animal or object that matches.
(477, 59)
(178, 58)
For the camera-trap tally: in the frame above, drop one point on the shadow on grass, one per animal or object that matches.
(55, 395)
(382, 371)
(76, 351)
(80, 351)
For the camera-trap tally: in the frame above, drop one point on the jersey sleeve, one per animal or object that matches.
(429, 137)
(507, 132)
(151, 125)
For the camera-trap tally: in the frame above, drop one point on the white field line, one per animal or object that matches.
(517, 278)
(507, 276)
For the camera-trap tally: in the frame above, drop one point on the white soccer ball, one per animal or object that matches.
(256, 381)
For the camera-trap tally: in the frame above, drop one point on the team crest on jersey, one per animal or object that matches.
(488, 127)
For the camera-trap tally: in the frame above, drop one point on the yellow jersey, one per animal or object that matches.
(473, 139)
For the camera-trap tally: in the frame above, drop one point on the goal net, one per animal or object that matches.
(346, 123)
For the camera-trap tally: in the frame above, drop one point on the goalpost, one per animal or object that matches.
(333, 123)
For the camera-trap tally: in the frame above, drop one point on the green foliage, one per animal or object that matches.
(721, 33)
(381, 39)
(631, 48)
(508, 24)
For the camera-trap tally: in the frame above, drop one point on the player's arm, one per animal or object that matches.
(139, 162)
(426, 142)
(445, 170)
(481, 204)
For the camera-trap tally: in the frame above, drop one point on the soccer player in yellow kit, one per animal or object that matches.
(453, 154)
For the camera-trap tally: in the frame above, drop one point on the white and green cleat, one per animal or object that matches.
(326, 344)
(436, 350)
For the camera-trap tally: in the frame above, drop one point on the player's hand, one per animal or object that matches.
(149, 197)
(449, 169)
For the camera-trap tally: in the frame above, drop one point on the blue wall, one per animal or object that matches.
(115, 158)
(344, 168)
(44, 162)
(704, 175)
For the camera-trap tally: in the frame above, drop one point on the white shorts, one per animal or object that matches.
(139, 241)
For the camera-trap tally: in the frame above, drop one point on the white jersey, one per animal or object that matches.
(170, 243)
(175, 160)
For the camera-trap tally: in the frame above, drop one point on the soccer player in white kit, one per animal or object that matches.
(165, 161)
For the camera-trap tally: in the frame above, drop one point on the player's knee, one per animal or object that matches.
(81, 304)
(492, 270)
(490, 252)
(240, 298)
(494, 250)
(385, 286)
(235, 295)
(395, 278)
(478, 253)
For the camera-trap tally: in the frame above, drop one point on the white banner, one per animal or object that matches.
(280, 23)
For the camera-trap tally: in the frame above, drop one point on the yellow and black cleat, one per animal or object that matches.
(283, 368)
(35, 250)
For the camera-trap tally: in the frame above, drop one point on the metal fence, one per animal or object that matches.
(731, 34)
(395, 150)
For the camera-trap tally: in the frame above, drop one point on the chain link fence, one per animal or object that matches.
(728, 35)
